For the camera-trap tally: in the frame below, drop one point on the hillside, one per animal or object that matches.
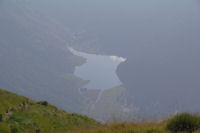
(19, 114)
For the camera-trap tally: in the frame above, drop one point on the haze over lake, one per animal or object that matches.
(159, 38)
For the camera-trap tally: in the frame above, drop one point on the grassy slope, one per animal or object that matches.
(128, 128)
(26, 116)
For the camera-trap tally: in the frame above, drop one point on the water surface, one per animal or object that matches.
(100, 70)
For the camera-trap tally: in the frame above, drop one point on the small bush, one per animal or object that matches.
(44, 103)
(1, 117)
(183, 123)
(37, 131)
(13, 129)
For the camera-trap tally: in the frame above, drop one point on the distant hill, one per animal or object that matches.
(19, 114)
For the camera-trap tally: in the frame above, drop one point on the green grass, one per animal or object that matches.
(27, 116)
(116, 127)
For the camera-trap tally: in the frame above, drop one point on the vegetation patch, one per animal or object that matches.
(1, 117)
(44, 103)
(184, 123)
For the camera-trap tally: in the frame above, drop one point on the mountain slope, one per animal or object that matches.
(22, 115)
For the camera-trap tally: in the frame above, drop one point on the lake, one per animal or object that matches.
(100, 70)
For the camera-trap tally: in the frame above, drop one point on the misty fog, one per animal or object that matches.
(159, 38)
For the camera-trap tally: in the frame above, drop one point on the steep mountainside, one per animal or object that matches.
(22, 115)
